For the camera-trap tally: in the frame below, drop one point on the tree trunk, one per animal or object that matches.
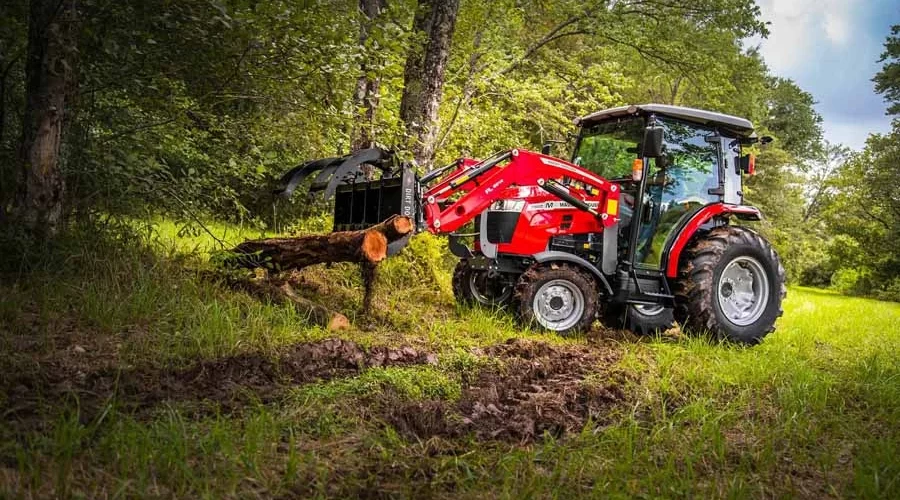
(49, 81)
(424, 75)
(368, 246)
(366, 93)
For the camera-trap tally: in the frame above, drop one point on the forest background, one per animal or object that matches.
(190, 110)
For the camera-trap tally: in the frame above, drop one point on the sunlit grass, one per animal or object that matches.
(812, 411)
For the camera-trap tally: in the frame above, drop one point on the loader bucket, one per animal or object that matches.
(358, 202)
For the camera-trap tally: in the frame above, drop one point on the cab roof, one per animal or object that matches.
(740, 126)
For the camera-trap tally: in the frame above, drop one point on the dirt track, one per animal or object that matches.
(525, 389)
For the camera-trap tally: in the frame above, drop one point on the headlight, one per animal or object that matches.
(508, 205)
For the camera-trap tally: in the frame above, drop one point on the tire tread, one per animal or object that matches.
(694, 287)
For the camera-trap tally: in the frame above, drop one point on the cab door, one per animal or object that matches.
(679, 183)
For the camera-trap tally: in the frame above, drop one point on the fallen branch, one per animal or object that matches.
(283, 292)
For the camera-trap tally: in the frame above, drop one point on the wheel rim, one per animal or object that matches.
(649, 309)
(558, 305)
(743, 291)
(486, 293)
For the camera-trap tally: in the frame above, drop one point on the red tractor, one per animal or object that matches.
(635, 229)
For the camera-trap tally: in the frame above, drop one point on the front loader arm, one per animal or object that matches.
(463, 172)
(486, 182)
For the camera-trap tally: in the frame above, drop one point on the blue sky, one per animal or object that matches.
(831, 48)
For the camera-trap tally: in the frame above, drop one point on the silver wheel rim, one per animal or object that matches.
(649, 309)
(743, 291)
(482, 297)
(558, 305)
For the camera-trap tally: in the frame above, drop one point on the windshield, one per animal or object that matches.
(608, 149)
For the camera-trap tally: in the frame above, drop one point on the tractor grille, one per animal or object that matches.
(501, 226)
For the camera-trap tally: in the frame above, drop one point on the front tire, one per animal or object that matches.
(557, 297)
(731, 283)
(474, 287)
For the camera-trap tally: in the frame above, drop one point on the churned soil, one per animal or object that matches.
(533, 389)
(224, 384)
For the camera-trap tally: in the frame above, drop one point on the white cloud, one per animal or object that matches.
(828, 49)
(837, 27)
(798, 27)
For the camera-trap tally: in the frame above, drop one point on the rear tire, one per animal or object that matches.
(557, 297)
(473, 287)
(648, 320)
(731, 284)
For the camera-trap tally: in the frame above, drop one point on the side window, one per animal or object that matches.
(690, 163)
(677, 186)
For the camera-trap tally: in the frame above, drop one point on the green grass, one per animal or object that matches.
(814, 411)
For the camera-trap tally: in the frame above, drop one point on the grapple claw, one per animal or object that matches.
(359, 201)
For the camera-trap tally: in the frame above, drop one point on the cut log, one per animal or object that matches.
(368, 246)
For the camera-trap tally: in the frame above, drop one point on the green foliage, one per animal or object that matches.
(865, 210)
(887, 81)
(792, 118)
(13, 30)
(425, 260)
(194, 109)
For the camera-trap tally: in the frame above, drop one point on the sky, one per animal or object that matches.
(830, 48)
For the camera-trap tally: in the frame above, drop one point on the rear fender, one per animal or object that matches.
(700, 218)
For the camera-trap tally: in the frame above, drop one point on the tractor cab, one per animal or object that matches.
(671, 162)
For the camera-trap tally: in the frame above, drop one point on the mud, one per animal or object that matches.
(533, 389)
(223, 385)
(524, 390)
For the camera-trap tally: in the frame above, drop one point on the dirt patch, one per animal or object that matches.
(237, 379)
(533, 388)
(223, 384)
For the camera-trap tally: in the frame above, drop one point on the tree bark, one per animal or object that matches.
(367, 247)
(49, 81)
(423, 78)
(366, 95)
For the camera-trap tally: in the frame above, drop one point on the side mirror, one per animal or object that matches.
(653, 142)
(748, 164)
(545, 149)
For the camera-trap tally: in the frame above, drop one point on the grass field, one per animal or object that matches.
(127, 372)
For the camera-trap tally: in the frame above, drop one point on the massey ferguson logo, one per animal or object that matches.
(559, 205)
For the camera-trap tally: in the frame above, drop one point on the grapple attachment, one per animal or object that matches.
(368, 187)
